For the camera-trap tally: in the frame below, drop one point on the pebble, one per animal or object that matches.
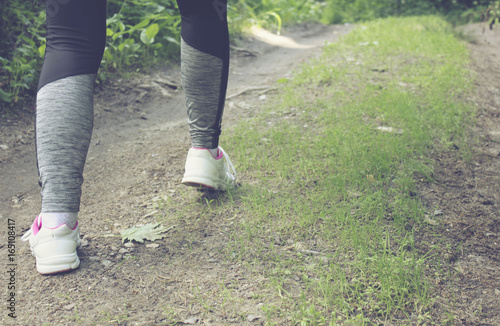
(107, 263)
(192, 321)
(253, 317)
(84, 242)
(324, 259)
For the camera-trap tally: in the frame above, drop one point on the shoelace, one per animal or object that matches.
(27, 235)
(230, 170)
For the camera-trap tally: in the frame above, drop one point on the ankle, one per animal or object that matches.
(55, 219)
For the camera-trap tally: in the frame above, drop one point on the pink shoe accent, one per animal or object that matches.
(73, 228)
(220, 154)
(37, 224)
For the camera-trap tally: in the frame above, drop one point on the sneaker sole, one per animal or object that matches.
(57, 264)
(203, 184)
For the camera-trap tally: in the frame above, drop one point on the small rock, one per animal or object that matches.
(253, 317)
(191, 321)
(123, 251)
(497, 291)
(152, 245)
(262, 97)
(150, 214)
(107, 263)
(2, 146)
(300, 246)
(84, 243)
(493, 152)
(94, 258)
(430, 221)
(114, 248)
(129, 245)
(390, 130)
(438, 212)
(69, 306)
(324, 259)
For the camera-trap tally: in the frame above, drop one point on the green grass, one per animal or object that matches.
(328, 210)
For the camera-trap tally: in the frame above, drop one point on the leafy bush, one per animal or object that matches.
(139, 32)
(272, 13)
(340, 11)
(21, 34)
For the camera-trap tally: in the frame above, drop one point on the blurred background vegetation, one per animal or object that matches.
(142, 33)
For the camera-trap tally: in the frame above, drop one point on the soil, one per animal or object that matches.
(137, 158)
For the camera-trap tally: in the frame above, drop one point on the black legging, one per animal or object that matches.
(76, 34)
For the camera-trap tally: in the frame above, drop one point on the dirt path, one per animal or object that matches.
(468, 196)
(136, 157)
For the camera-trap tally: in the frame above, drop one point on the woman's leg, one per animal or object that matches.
(64, 121)
(204, 67)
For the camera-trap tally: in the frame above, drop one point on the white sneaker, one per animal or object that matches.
(205, 171)
(54, 249)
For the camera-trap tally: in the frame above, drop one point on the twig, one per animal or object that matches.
(310, 252)
(244, 51)
(164, 278)
(251, 88)
(468, 314)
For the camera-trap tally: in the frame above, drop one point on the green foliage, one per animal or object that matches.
(272, 13)
(459, 11)
(141, 32)
(492, 14)
(21, 36)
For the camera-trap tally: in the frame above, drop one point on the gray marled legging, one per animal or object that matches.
(64, 117)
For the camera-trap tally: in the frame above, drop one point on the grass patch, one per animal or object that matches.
(328, 209)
